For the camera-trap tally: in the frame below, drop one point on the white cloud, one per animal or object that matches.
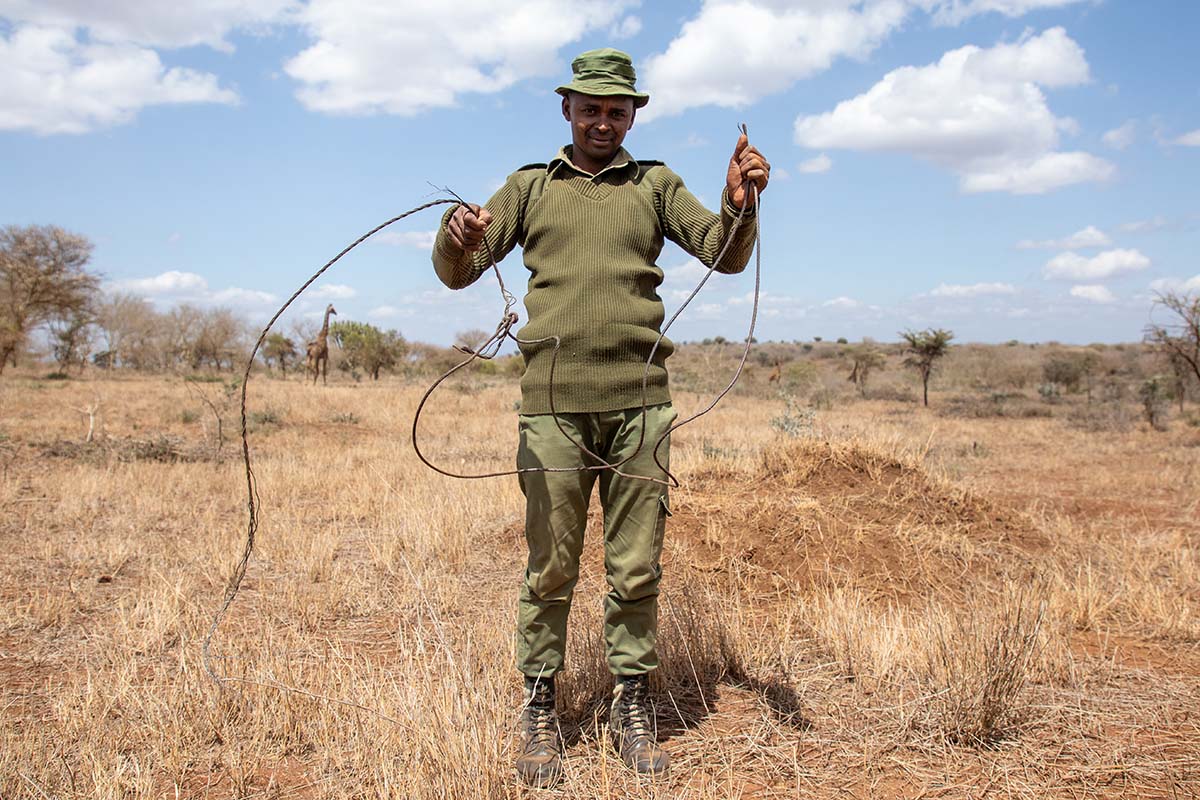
(821, 163)
(1051, 171)
(333, 291)
(422, 240)
(978, 112)
(1094, 293)
(1188, 285)
(237, 296)
(734, 52)
(1090, 236)
(1074, 267)
(630, 26)
(1190, 139)
(1145, 225)
(1120, 138)
(55, 83)
(841, 302)
(973, 290)
(688, 273)
(388, 312)
(405, 58)
(953, 12)
(166, 283)
(188, 287)
(151, 22)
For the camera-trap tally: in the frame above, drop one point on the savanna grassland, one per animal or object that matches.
(995, 596)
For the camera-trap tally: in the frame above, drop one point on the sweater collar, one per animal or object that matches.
(622, 160)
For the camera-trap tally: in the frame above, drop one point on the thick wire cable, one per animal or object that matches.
(488, 349)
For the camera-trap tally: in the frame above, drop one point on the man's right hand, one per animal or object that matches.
(466, 226)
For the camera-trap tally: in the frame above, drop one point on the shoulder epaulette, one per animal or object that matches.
(532, 166)
(651, 163)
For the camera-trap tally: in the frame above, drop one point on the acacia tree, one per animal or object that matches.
(1178, 340)
(367, 348)
(280, 350)
(42, 277)
(866, 358)
(924, 348)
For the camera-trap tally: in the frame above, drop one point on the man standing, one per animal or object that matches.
(592, 224)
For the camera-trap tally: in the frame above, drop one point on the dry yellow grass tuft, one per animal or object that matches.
(891, 604)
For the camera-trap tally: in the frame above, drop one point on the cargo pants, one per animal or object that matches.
(556, 508)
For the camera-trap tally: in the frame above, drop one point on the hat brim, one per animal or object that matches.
(603, 90)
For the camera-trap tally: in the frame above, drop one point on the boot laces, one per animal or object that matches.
(632, 705)
(539, 724)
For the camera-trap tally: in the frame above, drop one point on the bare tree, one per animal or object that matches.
(1178, 340)
(124, 321)
(177, 337)
(42, 277)
(470, 339)
(924, 348)
(220, 339)
(71, 339)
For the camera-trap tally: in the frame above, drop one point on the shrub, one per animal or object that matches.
(1155, 396)
(1107, 417)
(794, 421)
(1049, 392)
(268, 416)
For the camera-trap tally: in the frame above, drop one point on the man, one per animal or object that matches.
(592, 223)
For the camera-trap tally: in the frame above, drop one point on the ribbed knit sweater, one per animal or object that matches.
(590, 244)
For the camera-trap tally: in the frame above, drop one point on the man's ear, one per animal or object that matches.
(566, 107)
(632, 117)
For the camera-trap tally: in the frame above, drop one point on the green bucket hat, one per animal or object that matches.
(603, 73)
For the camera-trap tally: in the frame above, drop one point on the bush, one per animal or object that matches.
(891, 393)
(1155, 396)
(268, 416)
(794, 421)
(1106, 417)
(1049, 392)
(1008, 406)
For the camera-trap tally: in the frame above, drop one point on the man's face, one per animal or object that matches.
(598, 126)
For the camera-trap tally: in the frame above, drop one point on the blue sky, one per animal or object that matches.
(1004, 168)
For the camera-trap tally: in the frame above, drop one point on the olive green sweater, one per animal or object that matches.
(590, 244)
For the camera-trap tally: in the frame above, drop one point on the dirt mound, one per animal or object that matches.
(818, 513)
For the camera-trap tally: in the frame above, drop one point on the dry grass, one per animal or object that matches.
(896, 604)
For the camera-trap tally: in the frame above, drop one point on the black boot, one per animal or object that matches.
(540, 761)
(632, 730)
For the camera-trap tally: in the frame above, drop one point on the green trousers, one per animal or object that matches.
(556, 507)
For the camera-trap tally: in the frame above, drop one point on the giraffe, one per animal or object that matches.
(318, 349)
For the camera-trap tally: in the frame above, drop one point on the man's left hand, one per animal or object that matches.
(746, 167)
